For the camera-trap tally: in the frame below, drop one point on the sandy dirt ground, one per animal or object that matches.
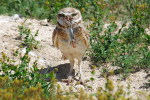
(48, 57)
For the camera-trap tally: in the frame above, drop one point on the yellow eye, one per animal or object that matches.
(61, 15)
(74, 14)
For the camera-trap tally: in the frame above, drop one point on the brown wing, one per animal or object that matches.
(54, 38)
(86, 37)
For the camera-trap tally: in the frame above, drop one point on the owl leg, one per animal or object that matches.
(80, 70)
(71, 70)
(71, 66)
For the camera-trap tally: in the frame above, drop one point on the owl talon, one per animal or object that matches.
(69, 80)
(81, 81)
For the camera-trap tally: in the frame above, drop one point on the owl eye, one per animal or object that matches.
(61, 15)
(74, 14)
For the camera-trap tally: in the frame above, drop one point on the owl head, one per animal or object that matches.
(69, 16)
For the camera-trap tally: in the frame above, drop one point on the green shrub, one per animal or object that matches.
(128, 48)
(22, 77)
(21, 89)
(28, 38)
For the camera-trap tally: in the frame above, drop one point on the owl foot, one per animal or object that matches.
(81, 81)
(68, 80)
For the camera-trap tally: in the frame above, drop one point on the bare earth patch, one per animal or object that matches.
(48, 57)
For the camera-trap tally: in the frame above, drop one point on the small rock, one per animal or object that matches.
(38, 38)
(79, 87)
(149, 47)
(23, 51)
(41, 62)
(1, 72)
(16, 16)
(106, 25)
(32, 54)
(147, 31)
(2, 32)
(44, 22)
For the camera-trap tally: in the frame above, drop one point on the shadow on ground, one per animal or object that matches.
(61, 73)
(147, 84)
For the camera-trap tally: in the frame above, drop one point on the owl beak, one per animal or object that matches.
(68, 18)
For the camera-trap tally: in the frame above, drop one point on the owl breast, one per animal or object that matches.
(65, 46)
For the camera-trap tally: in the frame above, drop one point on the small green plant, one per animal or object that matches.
(109, 94)
(28, 39)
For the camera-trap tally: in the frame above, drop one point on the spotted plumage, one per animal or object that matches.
(70, 36)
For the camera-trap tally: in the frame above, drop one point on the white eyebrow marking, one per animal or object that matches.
(65, 13)
(77, 20)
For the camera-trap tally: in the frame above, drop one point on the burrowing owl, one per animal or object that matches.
(71, 37)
